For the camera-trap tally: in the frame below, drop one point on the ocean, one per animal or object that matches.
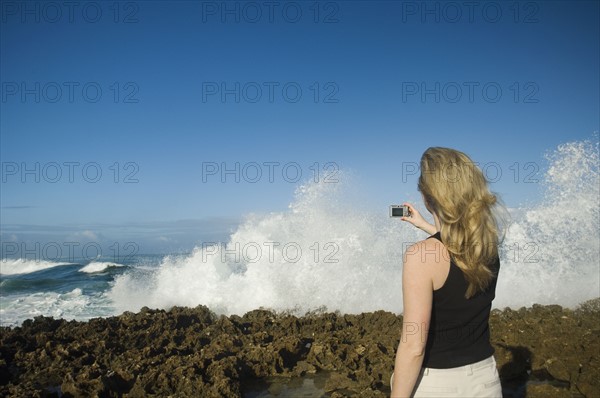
(325, 254)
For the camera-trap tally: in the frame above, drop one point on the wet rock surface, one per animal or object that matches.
(542, 351)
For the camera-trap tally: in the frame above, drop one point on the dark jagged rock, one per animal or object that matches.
(541, 351)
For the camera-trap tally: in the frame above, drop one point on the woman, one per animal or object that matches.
(448, 283)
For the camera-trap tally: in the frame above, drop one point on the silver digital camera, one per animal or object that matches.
(399, 211)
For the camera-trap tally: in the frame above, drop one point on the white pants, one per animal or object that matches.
(479, 379)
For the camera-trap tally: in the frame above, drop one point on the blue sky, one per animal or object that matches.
(380, 81)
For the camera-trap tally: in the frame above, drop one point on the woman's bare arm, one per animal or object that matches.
(417, 293)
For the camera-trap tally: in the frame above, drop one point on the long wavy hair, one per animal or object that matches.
(456, 190)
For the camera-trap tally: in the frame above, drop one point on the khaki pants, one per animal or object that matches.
(479, 379)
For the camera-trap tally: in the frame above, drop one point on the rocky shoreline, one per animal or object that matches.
(542, 351)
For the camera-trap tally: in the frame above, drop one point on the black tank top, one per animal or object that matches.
(459, 332)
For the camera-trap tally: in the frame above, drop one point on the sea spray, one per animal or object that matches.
(322, 252)
(551, 253)
(326, 252)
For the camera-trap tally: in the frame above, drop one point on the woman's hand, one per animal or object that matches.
(417, 220)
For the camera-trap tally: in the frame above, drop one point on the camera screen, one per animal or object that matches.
(397, 212)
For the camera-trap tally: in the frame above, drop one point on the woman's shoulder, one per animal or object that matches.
(430, 249)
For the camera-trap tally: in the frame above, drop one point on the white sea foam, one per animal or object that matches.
(551, 253)
(70, 305)
(552, 249)
(25, 266)
(99, 266)
(321, 252)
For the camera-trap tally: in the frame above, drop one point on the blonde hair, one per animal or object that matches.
(456, 190)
